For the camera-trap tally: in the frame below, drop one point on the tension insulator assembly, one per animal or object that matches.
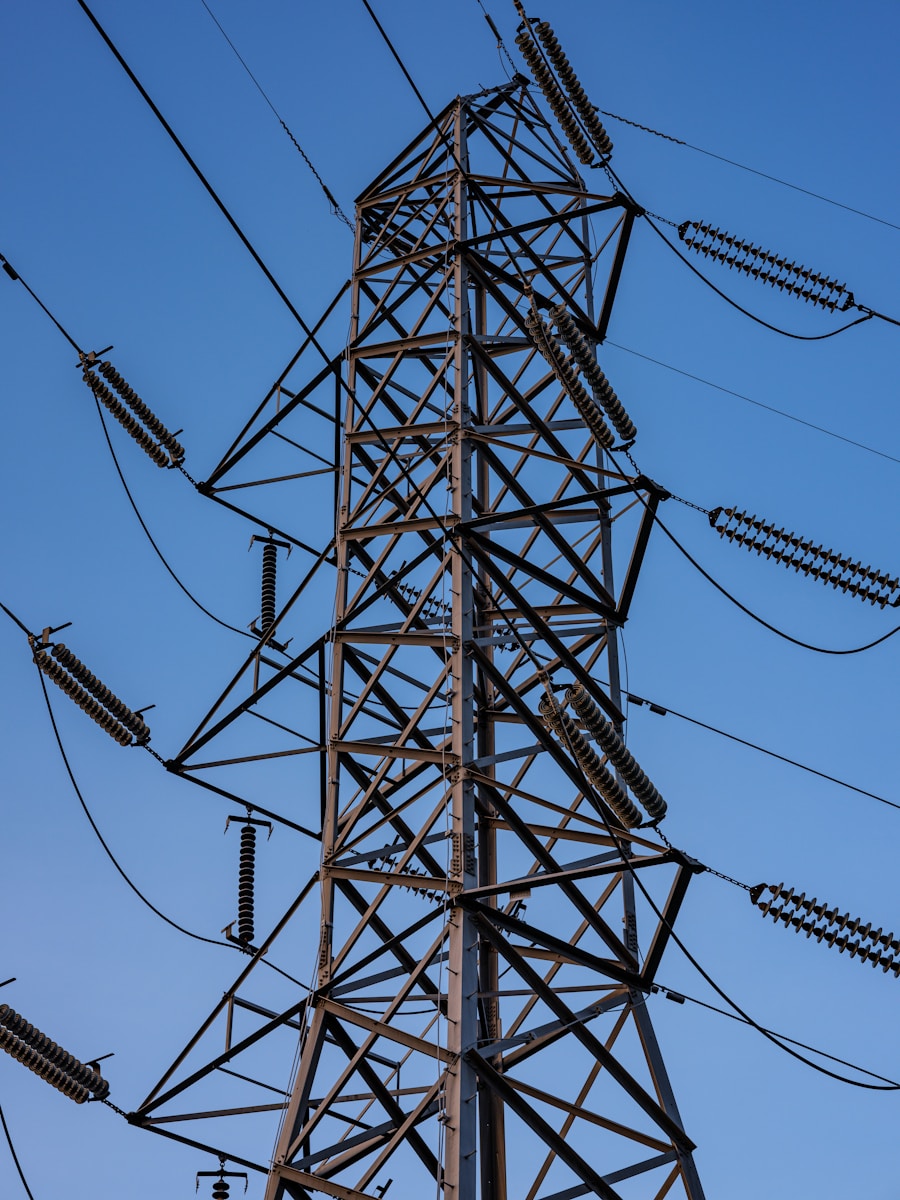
(584, 754)
(92, 696)
(791, 550)
(577, 117)
(828, 925)
(246, 878)
(165, 450)
(614, 748)
(767, 267)
(568, 376)
(45, 1058)
(583, 354)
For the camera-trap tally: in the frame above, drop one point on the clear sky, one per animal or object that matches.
(103, 219)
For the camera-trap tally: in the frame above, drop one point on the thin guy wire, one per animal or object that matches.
(335, 207)
(751, 170)
(758, 403)
(772, 753)
(15, 1156)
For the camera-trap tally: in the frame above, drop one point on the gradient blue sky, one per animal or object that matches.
(106, 223)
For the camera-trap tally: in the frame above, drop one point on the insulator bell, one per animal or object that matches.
(554, 96)
(596, 773)
(166, 450)
(590, 369)
(36, 1051)
(93, 708)
(246, 883)
(568, 377)
(814, 561)
(269, 576)
(786, 275)
(842, 931)
(615, 750)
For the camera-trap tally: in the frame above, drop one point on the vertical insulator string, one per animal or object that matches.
(246, 884)
(269, 579)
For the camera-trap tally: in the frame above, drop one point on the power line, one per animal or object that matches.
(15, 1156)
(665, 711)
(758, 403)
(14, 275)
(189, 160)
(868, 314)
(751, 170)
(783, 1037)
(335, 207)
(760, 620)
(162, 558)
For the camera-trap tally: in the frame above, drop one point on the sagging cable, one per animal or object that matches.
(791, 550)
(155, 440)
(828, 925)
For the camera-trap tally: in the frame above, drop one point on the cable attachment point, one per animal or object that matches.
(140, 422)
(220, 1187)
(791, 550)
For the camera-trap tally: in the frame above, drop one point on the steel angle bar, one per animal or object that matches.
(485, 549)
(552, 218)
(499, 1084)
(578, 1110)
(174, 1118)
(542, 628)
(648, 1164)
(570, 874)
(669, 913)
(592, 1044)
(318, 1184)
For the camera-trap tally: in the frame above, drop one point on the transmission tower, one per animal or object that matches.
(477, 1023)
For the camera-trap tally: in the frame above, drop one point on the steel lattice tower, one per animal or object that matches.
(478, 1026)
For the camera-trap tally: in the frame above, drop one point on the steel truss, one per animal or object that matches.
(477, 1026)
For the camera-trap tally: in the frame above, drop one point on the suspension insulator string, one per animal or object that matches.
(769, 268)
(568, 376)
(220, 1186)
(613, 747)
(828, 566)
(34, 1050)
(828, 925)
(584, 356)
(246, 880)
(166, 450)
(269, 587)
(94, 698)
(586, 757)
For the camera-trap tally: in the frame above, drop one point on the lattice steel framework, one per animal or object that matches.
(477, 1025)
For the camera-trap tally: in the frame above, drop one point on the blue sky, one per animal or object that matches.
(106, 223)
